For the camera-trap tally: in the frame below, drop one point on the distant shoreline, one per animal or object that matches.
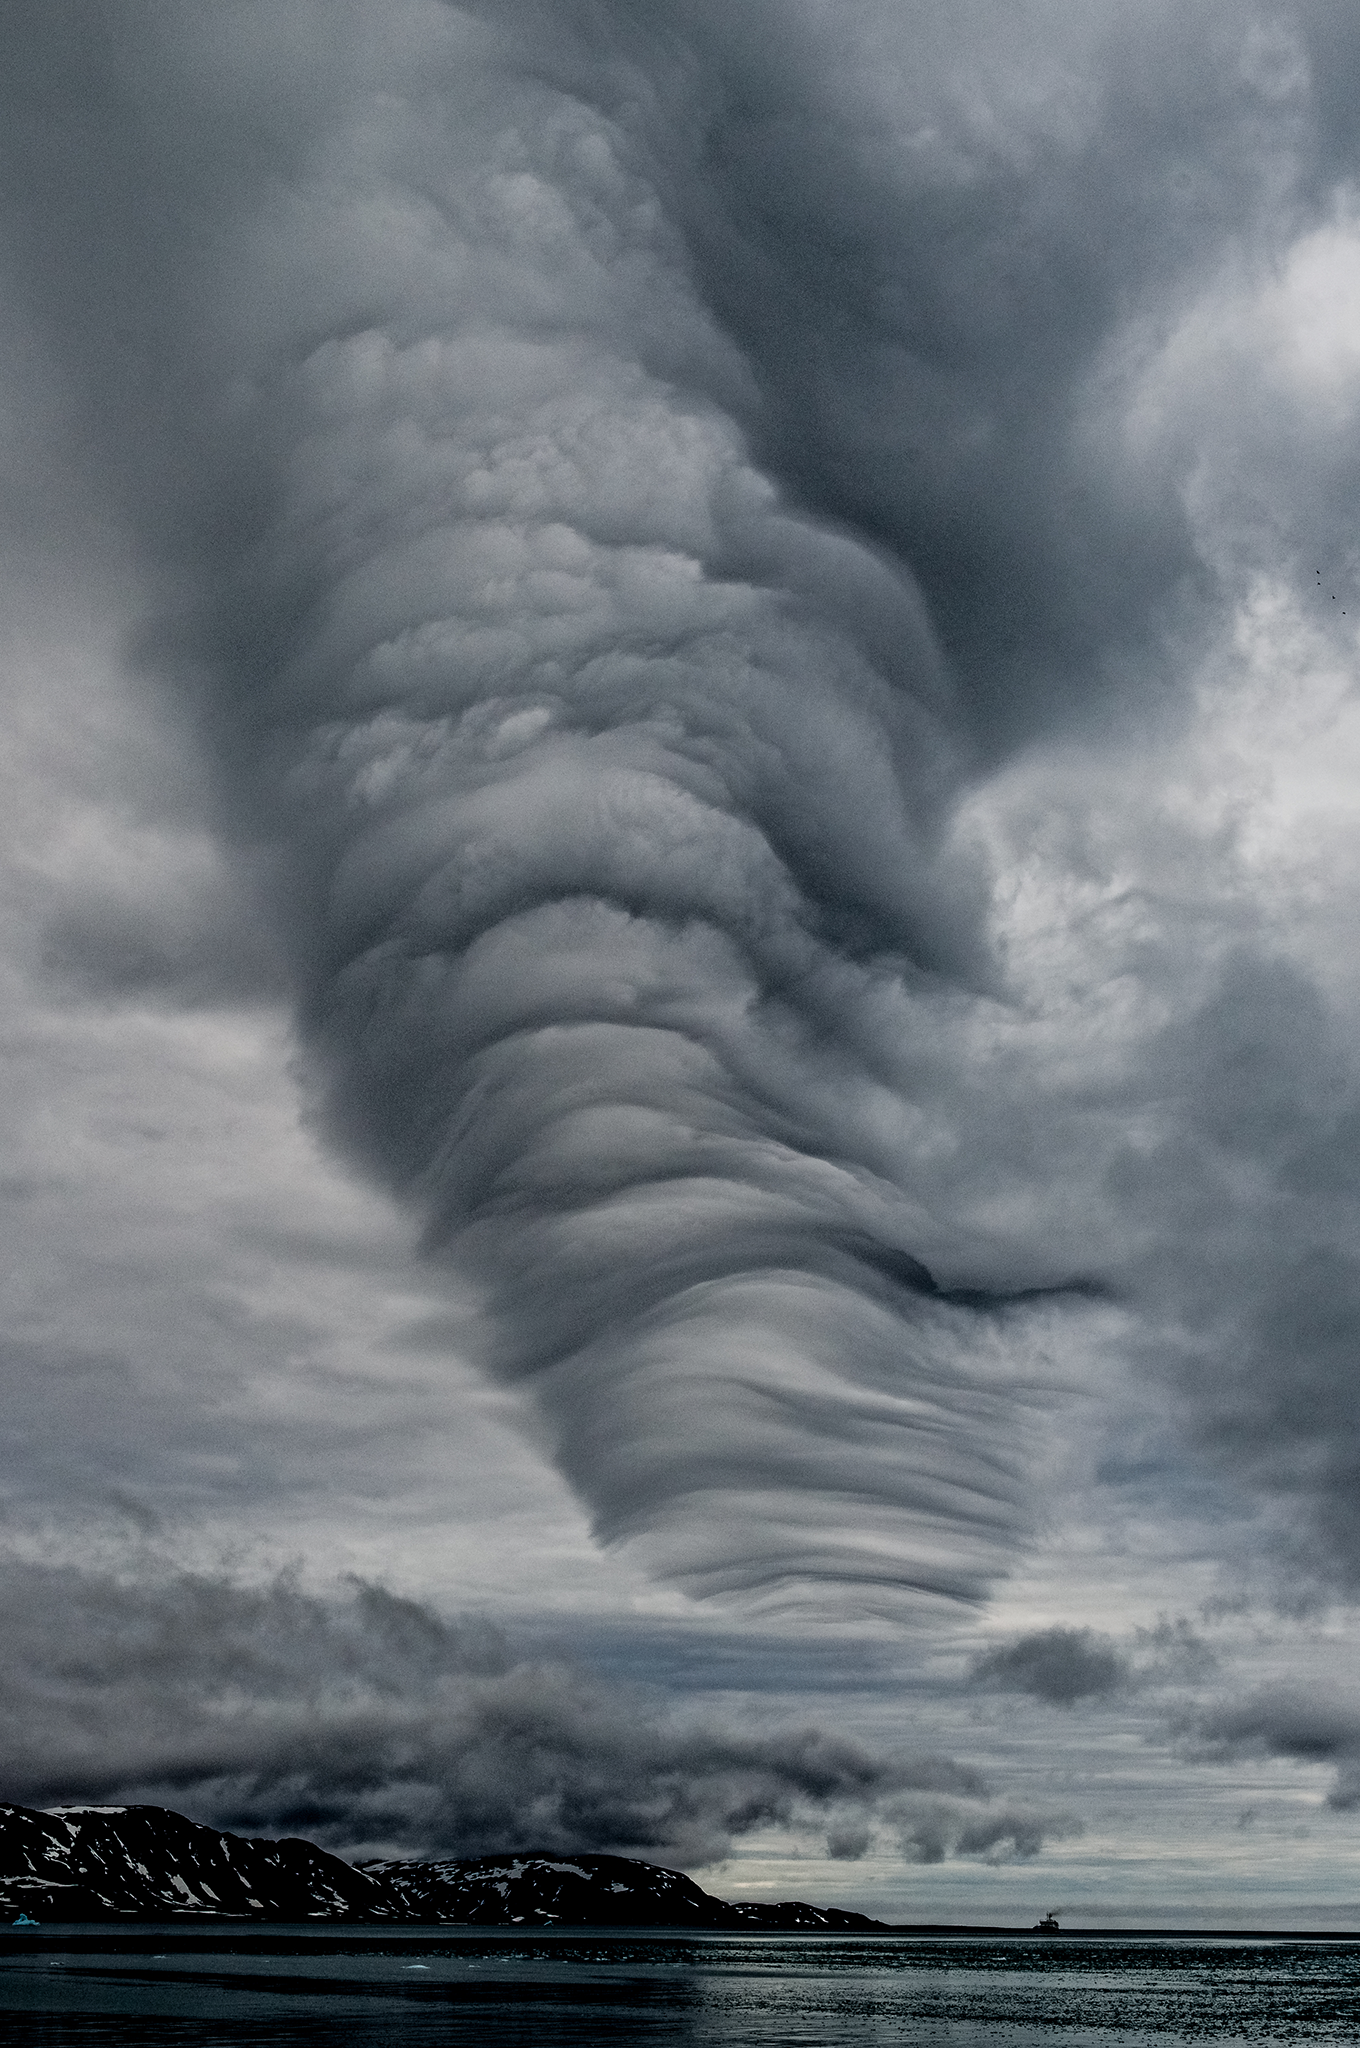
(146, 1866)
(193, 1925)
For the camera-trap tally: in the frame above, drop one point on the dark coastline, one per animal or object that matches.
(201, 1928)
(67, 1872)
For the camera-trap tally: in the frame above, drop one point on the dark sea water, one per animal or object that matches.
(405, 1988)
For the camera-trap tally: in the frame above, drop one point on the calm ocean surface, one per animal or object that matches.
(164, 1985)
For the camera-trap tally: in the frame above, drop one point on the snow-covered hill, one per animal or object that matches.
(146, 1863)
(87, 1862)
(598, 1891)
(594, 1891)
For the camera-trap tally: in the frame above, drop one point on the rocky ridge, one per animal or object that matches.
(146, 1863)
(94, 1862)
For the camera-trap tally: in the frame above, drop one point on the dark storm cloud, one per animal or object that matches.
(1247, 1192)
(1317, 1727)
(924, 226)
(369, 1721)
(610, 476)
(1060, 1665)
(604, 793)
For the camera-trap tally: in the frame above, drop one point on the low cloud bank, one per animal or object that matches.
(1318, 1727)
(368, 1723)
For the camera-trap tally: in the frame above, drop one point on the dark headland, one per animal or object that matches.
(76, 1863)
(144, 1863)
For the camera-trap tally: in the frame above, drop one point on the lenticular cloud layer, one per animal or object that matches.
(604, 794)
(645, 502)
(615, 842)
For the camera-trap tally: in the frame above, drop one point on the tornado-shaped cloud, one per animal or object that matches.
(603, 791)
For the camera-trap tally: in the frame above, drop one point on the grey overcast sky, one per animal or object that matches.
(680, 833)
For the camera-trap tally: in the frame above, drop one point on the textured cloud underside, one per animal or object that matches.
(703, 552)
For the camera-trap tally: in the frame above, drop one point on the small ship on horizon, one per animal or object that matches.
(1048, 1925)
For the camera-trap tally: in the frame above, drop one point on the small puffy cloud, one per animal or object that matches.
(1173, 1652)
(847, 1844)
(1005, 1835)
(1057, 1665)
